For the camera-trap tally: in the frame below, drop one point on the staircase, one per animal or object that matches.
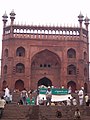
(22, 112)
(13, 111)
(49, 113)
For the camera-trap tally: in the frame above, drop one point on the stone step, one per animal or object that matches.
(22, 112)
(12, 119)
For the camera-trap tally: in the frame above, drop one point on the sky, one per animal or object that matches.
(44, 12)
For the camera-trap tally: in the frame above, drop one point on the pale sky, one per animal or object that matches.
(44, 12)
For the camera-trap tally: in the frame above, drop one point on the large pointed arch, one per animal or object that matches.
(45, 64)
(44, 53)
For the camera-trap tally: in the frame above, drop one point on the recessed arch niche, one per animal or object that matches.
(19, 85)
(45, 64)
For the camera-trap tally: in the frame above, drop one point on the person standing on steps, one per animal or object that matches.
(24, 95)
(81, 96)
(86, 99)
(74, 101)
(48, 96)
(7, 94)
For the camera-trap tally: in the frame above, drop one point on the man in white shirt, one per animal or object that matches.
(81, 95)
(48, 96)
(7, 92)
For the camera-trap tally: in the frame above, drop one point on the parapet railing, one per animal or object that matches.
(44, 32)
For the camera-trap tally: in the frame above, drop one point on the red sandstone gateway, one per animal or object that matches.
(44, 55)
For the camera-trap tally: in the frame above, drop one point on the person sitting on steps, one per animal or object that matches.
(58, 113)
(77, 115)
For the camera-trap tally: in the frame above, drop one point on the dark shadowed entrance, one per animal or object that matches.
(19, 85)
(4, 84)
(85, 87)
(72, 84)
(45, 81)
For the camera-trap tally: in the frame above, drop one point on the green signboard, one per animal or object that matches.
(55, 91)
(59, 91)
(42, 91)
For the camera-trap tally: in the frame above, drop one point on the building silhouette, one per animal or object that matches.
(44, 55)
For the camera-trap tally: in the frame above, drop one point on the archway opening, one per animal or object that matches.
(4, 84)
(45, 81)
(19, 85)
(85, 88)
(73, 86)
(45, 64)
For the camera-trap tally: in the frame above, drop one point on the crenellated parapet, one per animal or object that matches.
(44, 32)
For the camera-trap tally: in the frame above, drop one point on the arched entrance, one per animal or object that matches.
(45, 64)
(45, 81)
(19, 85)
(4, 84)
(85, 88)
(72, 84)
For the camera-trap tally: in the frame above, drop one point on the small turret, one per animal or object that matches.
(12, 16)
(4, 19)
(86, 22)
(80, 19)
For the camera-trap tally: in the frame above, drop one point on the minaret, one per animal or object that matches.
(12, 17)
(4, 21)
(86, 22)
(80, 19)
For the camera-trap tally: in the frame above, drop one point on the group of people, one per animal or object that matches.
(81, 99)
(7, 97)
(26, 98)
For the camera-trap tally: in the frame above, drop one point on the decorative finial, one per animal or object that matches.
(87, 20)
(5, 17)
(80, 17)
(12, 15)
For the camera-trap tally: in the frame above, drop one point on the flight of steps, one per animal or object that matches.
(13, 111)
(22, 112)
(49, 113)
